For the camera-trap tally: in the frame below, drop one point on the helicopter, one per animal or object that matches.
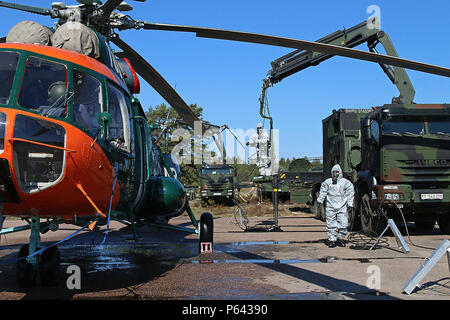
(71, 124)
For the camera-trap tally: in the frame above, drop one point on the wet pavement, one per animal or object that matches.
(293, 264)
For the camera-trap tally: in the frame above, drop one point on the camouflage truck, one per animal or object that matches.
(405, 166)
(300, 184)
(300, 176)
(294, 184)
(217, 182)
(341, 134)
(398, 158)
(265, 187)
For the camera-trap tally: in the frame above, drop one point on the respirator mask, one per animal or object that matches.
(335, 176)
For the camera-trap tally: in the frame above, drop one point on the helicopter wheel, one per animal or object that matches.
(26, 274)
(206, 232)
(49, 268)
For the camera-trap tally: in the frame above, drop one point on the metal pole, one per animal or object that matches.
(275, 199)
(1, 216)
(427, 266)
(35, 242)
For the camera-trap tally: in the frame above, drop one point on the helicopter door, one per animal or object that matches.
(121, 137)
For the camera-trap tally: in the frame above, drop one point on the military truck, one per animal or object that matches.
(341, 133)
(343, 125)
(300, 185)
(398, 158)
(405, 166)
(294, 184)
(264, 185)
(217, 182)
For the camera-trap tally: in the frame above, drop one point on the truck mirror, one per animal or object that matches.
(375, 131)
(365, 130)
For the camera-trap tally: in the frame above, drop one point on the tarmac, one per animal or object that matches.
(290, 264)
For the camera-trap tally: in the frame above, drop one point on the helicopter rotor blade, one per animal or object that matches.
(300, 44)
(152, 77)
(110, 6)
(21, 7)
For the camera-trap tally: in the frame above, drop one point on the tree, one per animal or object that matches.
(282, 164)
(167, 121)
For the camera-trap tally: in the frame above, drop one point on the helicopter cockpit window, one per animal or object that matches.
(88, 101)
(157, 167)
(44, 87)
(8, 66)
(119, 129)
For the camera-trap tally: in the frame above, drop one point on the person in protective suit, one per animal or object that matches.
(260, 141)
(340, 196)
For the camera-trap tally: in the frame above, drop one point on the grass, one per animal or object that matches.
(252, 209)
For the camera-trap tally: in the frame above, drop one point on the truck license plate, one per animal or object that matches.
(217, 193)
(432, 196)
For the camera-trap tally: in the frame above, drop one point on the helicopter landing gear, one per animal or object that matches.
(47, 265)
(206, 233)
(50, 267)
(26, 273)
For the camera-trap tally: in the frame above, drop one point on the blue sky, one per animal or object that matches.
(225, 77)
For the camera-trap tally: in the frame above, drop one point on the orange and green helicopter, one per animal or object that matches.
(75, 146)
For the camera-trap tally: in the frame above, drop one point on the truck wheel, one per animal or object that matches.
(354, 221)
(371, 223)
(444, 224)
(323, 211)
(424, 225)
(315, 206)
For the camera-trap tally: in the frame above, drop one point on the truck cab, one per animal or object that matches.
(217, 182)
(405, 167)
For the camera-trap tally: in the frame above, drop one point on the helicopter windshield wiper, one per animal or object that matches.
(58, 104)
(412, 134)
(443, 133)
(405, 134)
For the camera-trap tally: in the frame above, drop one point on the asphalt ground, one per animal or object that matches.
(290, 264)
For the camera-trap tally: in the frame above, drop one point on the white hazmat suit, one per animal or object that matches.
(339, 193)
(260, 141)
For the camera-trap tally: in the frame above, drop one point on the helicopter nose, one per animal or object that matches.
(8, 192)
(43, 160)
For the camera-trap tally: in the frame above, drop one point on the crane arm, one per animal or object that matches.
(301, 59)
